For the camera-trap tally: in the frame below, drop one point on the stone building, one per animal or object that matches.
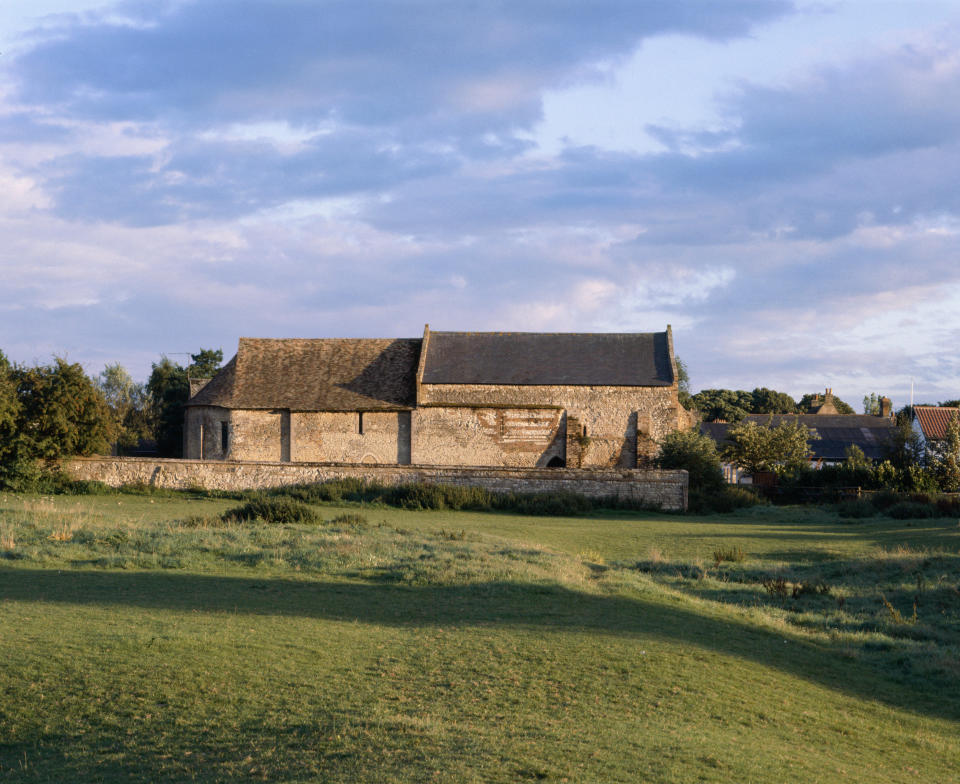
(446, 399)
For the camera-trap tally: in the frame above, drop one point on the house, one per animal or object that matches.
(930, 424)
(837, 432)
(447, 399)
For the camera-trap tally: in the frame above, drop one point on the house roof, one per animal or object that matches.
(933, 420)
(532, 358)
(331, 374)
(836, 431)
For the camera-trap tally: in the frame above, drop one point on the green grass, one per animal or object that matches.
(148, 639)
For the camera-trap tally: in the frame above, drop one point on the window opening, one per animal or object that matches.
(360, 422)
(224, 437)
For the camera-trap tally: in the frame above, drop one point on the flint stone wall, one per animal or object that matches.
(664, 489)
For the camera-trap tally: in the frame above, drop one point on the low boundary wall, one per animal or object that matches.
(665, 489)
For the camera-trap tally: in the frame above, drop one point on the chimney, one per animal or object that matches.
(886, 407)
(828, 396)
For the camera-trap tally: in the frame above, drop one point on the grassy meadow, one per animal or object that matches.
(144, 638)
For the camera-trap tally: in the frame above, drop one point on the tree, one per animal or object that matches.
(727, 404)
(206, 363)
(946, 458)
(871, 404)
(697, 454)
(949, 404)
(61, 411)
(855, 459)
(128, 402)
(769, 401)
(9, 412)
(169, 390)
(810, 401)
(904, 449)
(761, 447)
(683, 385)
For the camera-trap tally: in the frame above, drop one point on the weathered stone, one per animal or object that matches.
(664, 489)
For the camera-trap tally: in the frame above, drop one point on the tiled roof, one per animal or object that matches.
(531, 358)
(334, 374)
(933, 420)
(836, 431)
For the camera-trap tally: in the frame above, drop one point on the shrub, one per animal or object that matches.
(857, 509)
(948, 506)
(278, 510)
(728, 498)
(695, 453)
(547, 504)
(884, 499)
(911, 510)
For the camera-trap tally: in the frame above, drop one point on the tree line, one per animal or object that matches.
(54, 410)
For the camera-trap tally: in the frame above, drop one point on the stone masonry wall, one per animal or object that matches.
(517, 438)
(666, 489)
(336, 437)
(612, 416)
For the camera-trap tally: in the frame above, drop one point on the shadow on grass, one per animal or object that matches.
(551, 607)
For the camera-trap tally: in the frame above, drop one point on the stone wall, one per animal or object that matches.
(514, 438)
(666, 489)
(350, 437)
(619, 424)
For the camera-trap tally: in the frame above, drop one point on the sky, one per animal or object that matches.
(776, 179)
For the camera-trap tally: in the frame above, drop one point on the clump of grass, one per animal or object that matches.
(7, 540)
(278, 510)
(205, 521)
(731, 554)
(350, 518)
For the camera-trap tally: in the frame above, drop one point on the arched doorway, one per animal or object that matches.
(556, 462)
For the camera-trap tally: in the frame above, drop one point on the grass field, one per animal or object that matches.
(143, 640)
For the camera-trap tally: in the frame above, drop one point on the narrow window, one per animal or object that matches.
(360, 422)
(224, 437)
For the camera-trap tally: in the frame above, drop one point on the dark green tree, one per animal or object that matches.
(769, 401)
(61, 411)
(949, 404)
(727, 404)
(696, 453)
(9, 412)
(169, 390)
(905, 449)
(206, 363)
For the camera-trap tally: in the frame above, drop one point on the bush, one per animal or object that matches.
(280, 510)
(857, 509)
(911, 510)
(695, 453)
(728, 498)
(948, 506)
(884, 499)
(547, 504)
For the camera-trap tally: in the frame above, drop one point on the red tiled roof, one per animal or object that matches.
(933, 420)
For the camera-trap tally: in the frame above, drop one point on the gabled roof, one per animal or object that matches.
(933, 420)
(836, 431)
(333, 374)
(533, 358)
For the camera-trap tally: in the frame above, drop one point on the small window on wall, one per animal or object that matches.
(224, 437)
(360, 422)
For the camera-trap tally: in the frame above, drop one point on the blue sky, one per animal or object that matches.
(775, 179)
